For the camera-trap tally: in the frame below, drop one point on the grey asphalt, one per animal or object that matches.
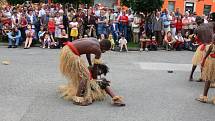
(28, 88)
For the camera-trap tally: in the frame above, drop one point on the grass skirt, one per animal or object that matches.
(208, 71)
(198, 56)
(75, 69)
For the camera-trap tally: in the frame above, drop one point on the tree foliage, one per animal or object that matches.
(146, 6)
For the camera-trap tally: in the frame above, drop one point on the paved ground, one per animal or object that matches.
(28, 88)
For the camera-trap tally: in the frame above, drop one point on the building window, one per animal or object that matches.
(171, 6)
(189, 6)
(207, 9)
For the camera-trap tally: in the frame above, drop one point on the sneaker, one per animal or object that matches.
(10, 46)
(146, 49)
(141, 49)
(15, 46)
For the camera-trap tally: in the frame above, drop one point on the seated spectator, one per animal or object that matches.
(179, 41)
(47, 40)
(152, 44)
(188, 44)
(64, 37)
(30, 33)
(101, 37)
(110, 38)
(14, 36)
(144, 40)
(123, 42)
(169, 41)
(41, 35)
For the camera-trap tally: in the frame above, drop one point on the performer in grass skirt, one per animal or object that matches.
(208, 71)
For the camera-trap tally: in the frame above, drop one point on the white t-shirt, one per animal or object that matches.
(74, 25)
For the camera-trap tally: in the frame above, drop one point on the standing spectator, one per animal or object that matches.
(42, 11)
(74, 29)
(178, 24)
(23, 26)
(157, 27)
(32, 19)
(45, 19)
(80, 26)
(15, 19)
(30, 33)
(192, 25)
(177, 12)
(173, 23)
(123, 24)
(115, 30)
(91, 25)
(58, 25)
(130, 21)
(14, 35)
(101, 24)
(136, 28)
(186, 23)
(166, 21)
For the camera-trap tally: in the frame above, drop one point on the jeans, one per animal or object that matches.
(124, 30)
(16, 41)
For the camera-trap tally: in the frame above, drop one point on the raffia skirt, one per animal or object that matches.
(75, 69)
(198, 56)
(208, 71)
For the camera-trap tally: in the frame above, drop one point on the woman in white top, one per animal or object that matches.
(58, 25)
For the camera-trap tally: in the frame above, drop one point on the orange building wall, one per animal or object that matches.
(199, 5)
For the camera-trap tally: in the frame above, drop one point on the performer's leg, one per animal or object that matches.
(117, 100)
(192, 71)
(206, 88)
(204, 98)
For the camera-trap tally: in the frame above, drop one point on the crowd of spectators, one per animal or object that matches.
(53, 24)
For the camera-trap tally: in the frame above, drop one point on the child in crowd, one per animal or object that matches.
(41, 35)
(64, 37)
(110, 38)
(30, 33)
(47, 40)
(123, 42)
(102, 36)
(51, 26)
(153, 44)
(144, 41)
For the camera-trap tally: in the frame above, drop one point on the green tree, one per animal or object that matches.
(145, 6)
(14, 2)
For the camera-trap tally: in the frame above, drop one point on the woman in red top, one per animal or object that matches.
(178, 24)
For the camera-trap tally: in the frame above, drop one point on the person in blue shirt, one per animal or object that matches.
(14, 36)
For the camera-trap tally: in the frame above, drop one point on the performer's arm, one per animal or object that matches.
(89, 59)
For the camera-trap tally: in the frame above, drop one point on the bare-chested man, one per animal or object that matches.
(81, 88)
(203, 35)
